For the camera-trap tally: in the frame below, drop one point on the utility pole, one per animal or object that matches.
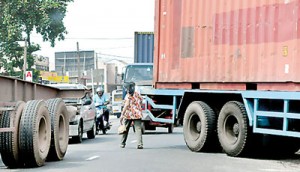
(78, 63)
(25, 59)
(97, 68)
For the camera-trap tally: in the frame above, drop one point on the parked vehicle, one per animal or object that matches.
(228, 76)
(116, 102)
(83, 113)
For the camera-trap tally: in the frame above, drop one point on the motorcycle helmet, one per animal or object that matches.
(130, 87)
(99, 90)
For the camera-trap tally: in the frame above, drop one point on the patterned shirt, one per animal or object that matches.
(134, 107)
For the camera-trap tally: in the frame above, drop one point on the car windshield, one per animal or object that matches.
(138, 73)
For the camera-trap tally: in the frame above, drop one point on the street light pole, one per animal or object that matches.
(25, 60)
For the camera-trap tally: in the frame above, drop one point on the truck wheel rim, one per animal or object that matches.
(43, 135)
(231, 129)
(62, 130)
(195, 126)
(236, 130)
(198, 126)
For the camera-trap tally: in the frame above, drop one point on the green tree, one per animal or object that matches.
(19, 18)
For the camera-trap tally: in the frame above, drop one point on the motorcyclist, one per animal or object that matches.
(101, 100)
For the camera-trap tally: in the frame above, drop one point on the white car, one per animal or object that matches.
(82, 114)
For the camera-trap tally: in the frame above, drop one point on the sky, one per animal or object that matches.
(106, 26)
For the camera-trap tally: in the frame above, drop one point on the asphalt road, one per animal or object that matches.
(162, 152)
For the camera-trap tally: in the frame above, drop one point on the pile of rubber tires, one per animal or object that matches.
(41, 133)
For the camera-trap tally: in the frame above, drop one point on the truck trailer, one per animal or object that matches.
(228, 72)
(34, 122)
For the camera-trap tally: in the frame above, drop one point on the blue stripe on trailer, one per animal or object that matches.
(277, 132)
(150, 101)
(157, 119)
(260, 113)
(288, 95)
(172, 107)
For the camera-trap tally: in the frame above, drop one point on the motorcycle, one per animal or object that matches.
(102, 125)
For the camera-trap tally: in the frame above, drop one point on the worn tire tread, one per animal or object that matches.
(28, 140)
(55, 107)
(243, 147)
(207, 142)
(9, 140)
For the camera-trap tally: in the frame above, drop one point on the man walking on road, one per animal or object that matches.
(132, 113)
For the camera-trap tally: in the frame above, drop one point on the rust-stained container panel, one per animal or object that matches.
(199, 44)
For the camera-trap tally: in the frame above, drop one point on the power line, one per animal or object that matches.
(109, 48)
(111, 55)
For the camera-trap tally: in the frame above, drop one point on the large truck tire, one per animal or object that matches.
(233, 129)
(59, 129)
(35, 133)
(9, 141)
(199, 127)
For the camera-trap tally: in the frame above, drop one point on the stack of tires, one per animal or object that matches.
(41, 132)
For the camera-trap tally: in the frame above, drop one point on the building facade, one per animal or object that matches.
(41, 63)
(66, 64)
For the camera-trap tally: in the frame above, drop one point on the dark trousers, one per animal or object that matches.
(102, 118)
(106, 115)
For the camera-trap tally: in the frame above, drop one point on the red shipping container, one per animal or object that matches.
(227, 44)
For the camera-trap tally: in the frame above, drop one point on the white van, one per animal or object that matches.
(117, 102)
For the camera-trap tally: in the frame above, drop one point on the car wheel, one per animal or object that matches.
(92, 133)
(78, 138)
